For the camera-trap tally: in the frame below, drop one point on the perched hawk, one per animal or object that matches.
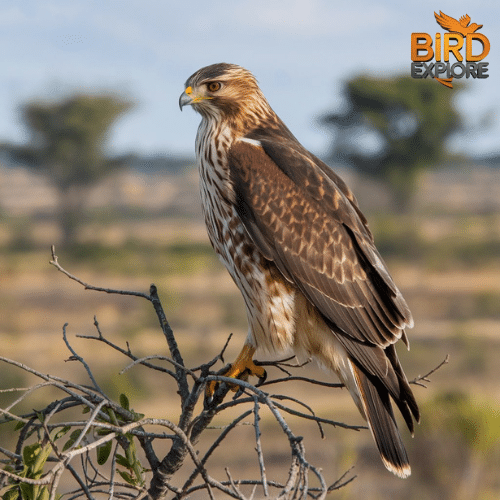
(290, 233)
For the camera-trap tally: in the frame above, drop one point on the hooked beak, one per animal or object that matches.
(186, 98)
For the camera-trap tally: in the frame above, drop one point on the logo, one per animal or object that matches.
(462, 43)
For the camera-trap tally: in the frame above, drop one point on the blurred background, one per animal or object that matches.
(96, 158)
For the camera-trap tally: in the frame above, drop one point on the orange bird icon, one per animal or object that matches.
(451, 24)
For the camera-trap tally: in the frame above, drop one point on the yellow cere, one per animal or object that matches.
(189, 90)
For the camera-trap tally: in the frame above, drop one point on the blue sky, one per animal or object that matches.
(300, 51)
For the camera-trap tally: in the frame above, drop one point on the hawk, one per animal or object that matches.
(295, 242)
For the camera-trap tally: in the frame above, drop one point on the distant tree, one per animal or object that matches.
(67, 143)
(393, 128)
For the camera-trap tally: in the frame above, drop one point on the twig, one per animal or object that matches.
(213, 447)
(83, 486)
(154, 299)
(164, 358)
(235, 489)
(76, 357)
(113, 471)
(260, 455)
(205, 366)
(425, 377)
(295, 378)
(315, 418)
(172, 345)
(128, 353)
(55, 263)
(340, 483)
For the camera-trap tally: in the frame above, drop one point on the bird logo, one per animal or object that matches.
(461, 36)
(462, 26)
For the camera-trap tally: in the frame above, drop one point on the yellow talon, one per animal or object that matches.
(242, 368)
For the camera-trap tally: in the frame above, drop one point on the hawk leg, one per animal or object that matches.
(242, 368)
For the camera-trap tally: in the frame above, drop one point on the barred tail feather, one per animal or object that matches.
(380, 417)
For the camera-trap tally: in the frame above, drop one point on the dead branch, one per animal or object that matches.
(52, 440)
(417, 380)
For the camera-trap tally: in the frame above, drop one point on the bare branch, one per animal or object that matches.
(76, 357)
(55, 263)
(111, 429)
(215, 444)
(295, 378)
(154, 299)
(172, 345)
(425, 378)
(260, 455)
(102, 338)
(164, 358)
(219, 356)
(318, 420)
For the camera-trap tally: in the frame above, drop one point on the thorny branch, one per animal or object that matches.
(49, 440)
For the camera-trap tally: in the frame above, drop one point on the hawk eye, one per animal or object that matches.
(213, 86)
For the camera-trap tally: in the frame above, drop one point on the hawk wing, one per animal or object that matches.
(305, 220)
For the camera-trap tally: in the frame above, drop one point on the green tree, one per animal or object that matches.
(393, 128)
(68, 143)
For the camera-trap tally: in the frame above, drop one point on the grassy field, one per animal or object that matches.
(446, 264)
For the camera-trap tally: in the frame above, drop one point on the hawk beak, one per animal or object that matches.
(186, 98)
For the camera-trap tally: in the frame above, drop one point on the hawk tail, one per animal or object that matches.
(378, 411)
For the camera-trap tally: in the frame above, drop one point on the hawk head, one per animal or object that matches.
(222, 91)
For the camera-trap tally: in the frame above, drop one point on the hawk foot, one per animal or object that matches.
(241, 369)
